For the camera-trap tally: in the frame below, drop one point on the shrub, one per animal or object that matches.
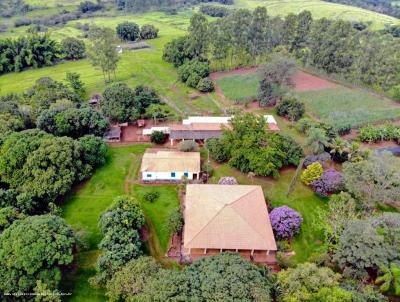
(128, 31)
(148, 31)
(331, 181)
(208, 169)
(88, 6)
(151, 196)
(228, 180)
(217, 150)
(188, 146)
(193, 67)
(193, 80)
(372, 133)
(321, 158)
(158, 137)
(343, 129)
(205, 85)
(291, 108)
(214, 10)
(73, 49)
(175, 221)
(285, 221)
(312, 173)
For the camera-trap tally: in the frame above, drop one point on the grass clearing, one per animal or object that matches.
(158, 211)
(303, 200)
(83, 208)
(349, 106)
(239, 87)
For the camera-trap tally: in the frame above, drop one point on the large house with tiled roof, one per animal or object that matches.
(227, 218)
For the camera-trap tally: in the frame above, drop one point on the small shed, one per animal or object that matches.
(113, 134)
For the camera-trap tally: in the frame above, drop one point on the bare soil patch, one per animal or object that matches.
(307, 82)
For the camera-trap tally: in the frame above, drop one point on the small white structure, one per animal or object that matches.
(163, 165)
(149, 131)
(219, 120)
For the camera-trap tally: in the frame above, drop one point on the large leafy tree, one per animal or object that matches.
(198, 38)
(128, 31)
(274, 77)
(42, 166)
(73, 49)
(366, 245)
(226, 277)
(305, 281)
(120, 225)
(374, 180)
(119, 103)
(102, 51)
(34, 250)
(72, 122)
(250, 148)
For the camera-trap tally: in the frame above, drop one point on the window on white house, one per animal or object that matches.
(186, 174)
(148, 175)
(173, 174)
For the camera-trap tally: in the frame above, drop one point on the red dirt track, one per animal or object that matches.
(302, 81)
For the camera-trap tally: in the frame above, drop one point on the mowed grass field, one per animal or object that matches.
(338, 106)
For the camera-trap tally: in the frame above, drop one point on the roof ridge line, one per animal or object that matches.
(256, 231)
(212, 219)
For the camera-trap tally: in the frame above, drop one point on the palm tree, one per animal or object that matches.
(317, 140)
(340, 149)
(390, 279)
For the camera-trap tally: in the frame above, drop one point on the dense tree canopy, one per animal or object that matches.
(34, 249)
(369, 244)
(305, 282)
(122, 104)
(120, 226)
(374, 180)
(35, 50)
(72, 122)
(44, 167)
(250, 148)
(226, 277)
(73, 49)
(128, 31)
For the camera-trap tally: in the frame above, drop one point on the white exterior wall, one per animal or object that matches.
(153, 176)
(206, 120)
(149, 131)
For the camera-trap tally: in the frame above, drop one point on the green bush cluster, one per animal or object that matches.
(291, 108)
(388, 132)
(191, 72)
(313, 172)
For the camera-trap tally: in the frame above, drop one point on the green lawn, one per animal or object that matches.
(239, 87)
(83, 208)
(157, 213)
(302, 199)
(349, 106)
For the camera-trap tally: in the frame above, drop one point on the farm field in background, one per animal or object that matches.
(135, 67)
(325, 100)
(343, 106)
(320, 9)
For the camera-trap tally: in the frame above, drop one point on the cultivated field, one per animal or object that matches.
(325, 100)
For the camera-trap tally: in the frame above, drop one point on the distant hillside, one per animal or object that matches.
(321, 9)
(387, 7)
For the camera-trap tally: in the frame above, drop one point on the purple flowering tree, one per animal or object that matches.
(227, 180)
(331, 181)
(285, 222)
